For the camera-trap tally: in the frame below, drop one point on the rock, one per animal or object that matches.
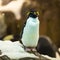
(14, 53)
(40, 57)
(0, 52)
(4, 57)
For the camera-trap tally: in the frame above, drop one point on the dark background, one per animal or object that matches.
(49, 18)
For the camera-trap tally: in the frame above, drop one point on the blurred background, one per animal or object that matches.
(49, 16)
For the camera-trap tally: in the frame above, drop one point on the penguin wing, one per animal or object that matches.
(22, 30)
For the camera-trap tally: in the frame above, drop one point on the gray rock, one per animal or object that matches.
(4, 57)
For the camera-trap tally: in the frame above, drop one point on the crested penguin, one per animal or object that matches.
(30, 33)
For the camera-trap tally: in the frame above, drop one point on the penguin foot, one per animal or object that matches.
(30, 49)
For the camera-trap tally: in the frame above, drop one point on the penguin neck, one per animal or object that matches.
(33, 19)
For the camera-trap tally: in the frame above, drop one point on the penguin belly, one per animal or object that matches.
(31, 33)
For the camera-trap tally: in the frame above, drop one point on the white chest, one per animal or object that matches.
(31, 32)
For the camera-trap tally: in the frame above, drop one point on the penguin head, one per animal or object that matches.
(33, 14)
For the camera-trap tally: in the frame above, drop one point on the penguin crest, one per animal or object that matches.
(33, 14)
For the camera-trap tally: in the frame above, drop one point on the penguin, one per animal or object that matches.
(46, 47)
(30, 32)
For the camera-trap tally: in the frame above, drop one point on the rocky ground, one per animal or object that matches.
(14, 51)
